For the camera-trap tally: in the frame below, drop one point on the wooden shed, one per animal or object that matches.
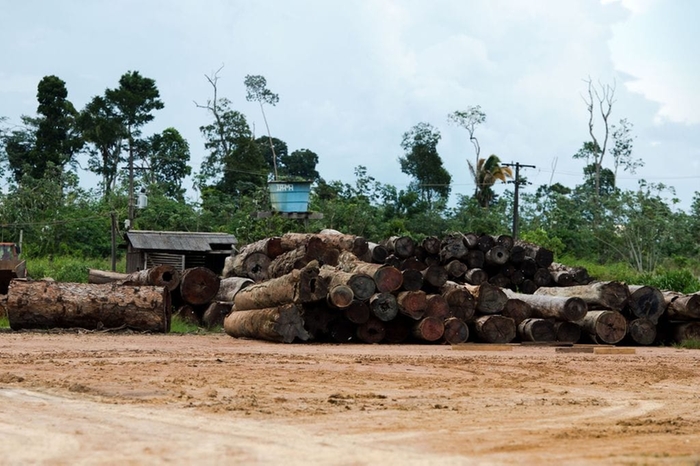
(181, 249)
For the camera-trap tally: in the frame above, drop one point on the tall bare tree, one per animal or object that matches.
(469, 119)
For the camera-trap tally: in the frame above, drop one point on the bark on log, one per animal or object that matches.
(471, 240)
(412, 280)
(485, 243)
(358, 312)
(371, 331)
(357, 245)
(398, 330)
(431, 245)
(453, 247)
(456, 269)
(215, 314)
(567, 332)
(527, 287)
(542, 256)
(412, 263)
(500, 281)
(386, 278)
(497, 255)
(199, 285)
(286, 262)
(362, 285)
(517, 254)
(475, 259)
(317, 320)
(494, 329)
(555, 307)
(229, 287)
(542, 277)
(384, 306)
(682, 307)
(489, 299)
(297, 287)
(340, 296)
(642, 331)
(645, 302)
(608, 327)
(48, 304)
(401, 246)
(456, 331)
(611, 295)
(161, 275)
(283, 324)
(685, 331)
(517, 310)
(437, 306)
(429, 329)
(506, 241)
(460, 300)
(562, 278)
(476, 276)
(271, 247)
(435, 276)
(100, 277)
(378, 253)
(529, 267)
(253, 266)
(412, 303)
(536, 330)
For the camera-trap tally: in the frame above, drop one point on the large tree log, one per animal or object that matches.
(189, 314)
(358, 312)
(607, 327)
(331, 239)
(506, 241)
(542, 277)
(456, 331)
(48, 304)
(642, 331)
(362, 285)
(460, 300)
(386, 278)
(476, 276)
(456, 269)
(283, 324)
(497, 255)
(229, 287)
(429, 329)
(486, 242)
(556, 307)
(437, 306)
(357, 245)
(682, 307)
(517, 309)
(611, 295)
(318, 320)
(567, 332)
(453, 247)
(494, 329)
(431, 245)
(401, 246)
(288, 261)
(253, 266)
(271, 247)
(475, 259)
(412, 263)
(398, 330)
(297, 287)
(384, 306)
(100, 277)
(645, 302)
(685, 331)
(377, 253)
(340, 296)
(215, 314)
(342, 331)
(371, 331)
(412, 280)
(517, 254)
(412, 303)
(489, 299)
(569, 275)
(435, 276)
(536, 330)
(199, 285)
(542, 256)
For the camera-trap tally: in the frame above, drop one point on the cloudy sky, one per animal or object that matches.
(354, 75)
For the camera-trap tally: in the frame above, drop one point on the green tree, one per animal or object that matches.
(168, 162)
(276, 151)
(469, 119)
(257, 91)
(135, 100)
(103, 130)
(486, 173)
(300, 164)
(422, 162)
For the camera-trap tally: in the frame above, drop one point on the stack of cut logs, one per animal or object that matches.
(340, 288)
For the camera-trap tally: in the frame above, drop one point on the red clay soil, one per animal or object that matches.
(87, 398)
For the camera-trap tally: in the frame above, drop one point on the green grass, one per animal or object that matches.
(4, 321)
(178, 325)
(67, 268)
(689, 344)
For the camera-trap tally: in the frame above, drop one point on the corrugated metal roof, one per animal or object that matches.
(178, 240)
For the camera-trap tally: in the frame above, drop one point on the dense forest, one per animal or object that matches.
(41, 199)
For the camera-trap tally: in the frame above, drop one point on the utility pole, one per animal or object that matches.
(516, 195)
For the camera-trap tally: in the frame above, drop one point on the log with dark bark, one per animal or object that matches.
(497, 255)
(476, 276)
(431, 245)
(562, 278)
(254, 266)
(682, 307)
(100, 277)
(608, 327)
(271, 247)
(317, 320)
(471, 240)
(555, 307)
(362, 285)
(229, 287)
(412, 303)
(283, 324)
(610, 295)
(188, 314)
(506, 241)
(685, 331)
(517, 310)
(489, 299)
(383, 306)
(398, 330)
(371, 331)
(642, 331)
(340, 296)
(437, 306)
(199, 285)
(401, 246)
(342, 331)
(517, 254)
(434, 276)
(542, 256)
(357, 245)
(486, 242)
(429, 329)
(412, 263)
(456, 331)
(358, 312)
(500, 281)
(572, 275)
(386, 278)
(527, 287)
(299, 286)
(645, 302)
(542, 277)
(288, 261)
(49, 304)
(377, 253)
(528, 267)
(568, 332)
(494, 329)
(453, 247)
(460, 301)
(536, 330)
(475, 259)
(412, 280)
(456, 269)
(215, 314)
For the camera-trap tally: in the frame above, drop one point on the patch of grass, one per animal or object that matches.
(4, 321)
(178, 325)
(68, 269)
(689, 344)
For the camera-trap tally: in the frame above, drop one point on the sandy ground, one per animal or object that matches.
(101, 398)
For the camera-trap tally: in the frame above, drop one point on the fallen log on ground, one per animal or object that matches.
(297, 287)
(642, 331)
(251, 265)
(489, 298)
(198, 285)
(371, 331)
(456, 331)
(412, 303)
(494, 329)
(555, 307)
(607, 327)
(645, 302)
(684, 331)
(460, 300)
(429, 329)
(567, 332)
(100, 277)
(517, 309)
(215, 314)
(537, 330)
(383, 306)
(49, 304)
(283, 324)
(610, 295)
(682, 307)
(229, 288)
(161, 275)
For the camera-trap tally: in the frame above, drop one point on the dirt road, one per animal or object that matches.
(87, 398)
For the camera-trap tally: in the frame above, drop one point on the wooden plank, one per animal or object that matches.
(481, 347)
(605, 350)
(575, 349)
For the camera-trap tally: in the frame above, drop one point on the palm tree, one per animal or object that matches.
(485, 174)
